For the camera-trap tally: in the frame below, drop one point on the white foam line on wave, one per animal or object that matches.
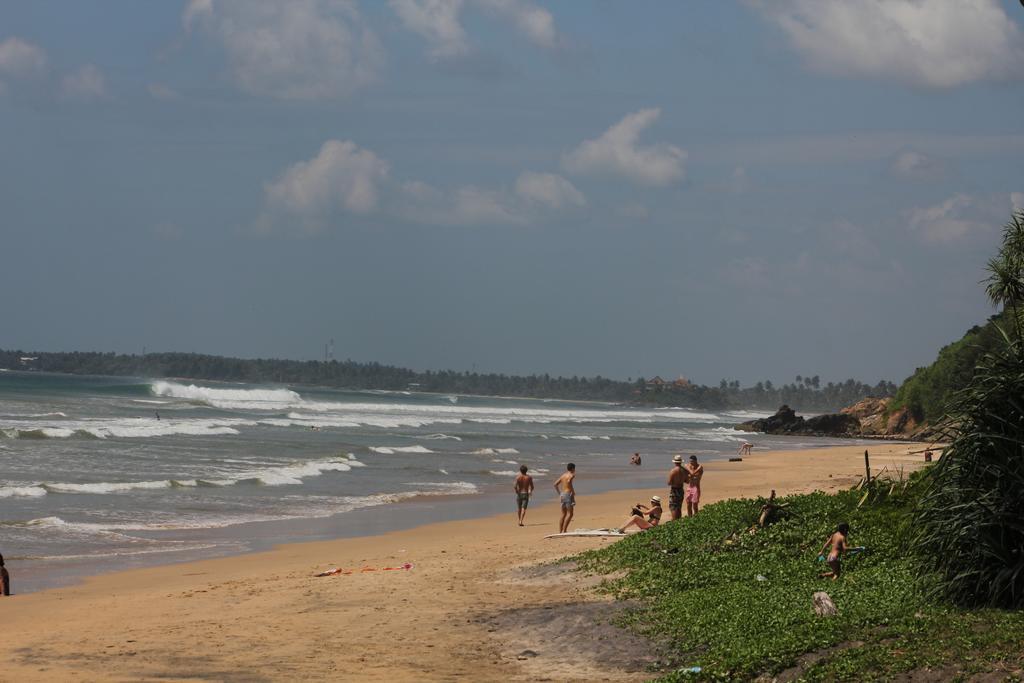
(279, 475)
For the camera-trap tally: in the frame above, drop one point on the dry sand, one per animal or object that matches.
(478, 605)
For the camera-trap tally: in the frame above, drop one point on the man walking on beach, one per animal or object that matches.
(695, 471)
(567, 496)
(677, 478)
(523, 487)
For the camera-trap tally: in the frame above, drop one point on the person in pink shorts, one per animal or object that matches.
(696, 472)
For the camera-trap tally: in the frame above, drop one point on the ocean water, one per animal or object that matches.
(100, 473)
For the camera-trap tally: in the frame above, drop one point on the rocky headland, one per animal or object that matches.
(868, 418)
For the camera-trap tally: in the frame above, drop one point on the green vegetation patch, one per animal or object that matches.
(927, 392)
(739, 604)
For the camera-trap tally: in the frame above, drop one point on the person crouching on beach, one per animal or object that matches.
(566, 496)
(523, 488)
(838, 541)
(637, 520)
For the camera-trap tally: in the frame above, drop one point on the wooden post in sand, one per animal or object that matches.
(867, 469)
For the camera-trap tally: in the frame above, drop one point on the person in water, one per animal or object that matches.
(838, 541)
(566, 496)
(523, 488)
(635, 459)
(637, 519)
(5, 578)
(677, 478)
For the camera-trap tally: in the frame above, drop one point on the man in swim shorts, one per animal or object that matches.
(523, 488)
(695, 472)
(566, 496)
(677, 477)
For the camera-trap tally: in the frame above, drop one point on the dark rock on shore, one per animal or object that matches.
(786, 422)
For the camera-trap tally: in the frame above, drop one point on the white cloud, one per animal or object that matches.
(477, 206)
(948, 221)
(467, 206)
(84, 83)
(616, 152)
(21, 59)
(439, 22)
(300, 49)
(933, 43)
(345, 178)
(915, 165)
(534, 21)
(548, 189)
(340, 177)
(159, 91)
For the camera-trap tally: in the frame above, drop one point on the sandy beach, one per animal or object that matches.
(479, 603)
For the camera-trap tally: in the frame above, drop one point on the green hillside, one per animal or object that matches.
(927, 392)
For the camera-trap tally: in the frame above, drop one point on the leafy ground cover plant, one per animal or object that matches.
(738, 604)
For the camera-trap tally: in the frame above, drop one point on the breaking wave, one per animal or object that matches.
(129, 428)
(232, 399)
(391, 450)
(281, 475)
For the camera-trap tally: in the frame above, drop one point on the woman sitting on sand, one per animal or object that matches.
(637, 520)
(838, 543)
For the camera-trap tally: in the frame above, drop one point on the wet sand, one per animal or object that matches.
(479, 604)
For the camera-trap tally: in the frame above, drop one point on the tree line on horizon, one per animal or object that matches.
(806, 393)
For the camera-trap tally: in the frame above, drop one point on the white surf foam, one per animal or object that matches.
(515, 473)
(441, 488)
(231, 399)
(280, 475)
(495, 451)
(391, 450)
(129, 428)
(22, 491)
(108, 487)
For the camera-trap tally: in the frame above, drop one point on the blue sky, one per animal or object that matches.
(747, 190)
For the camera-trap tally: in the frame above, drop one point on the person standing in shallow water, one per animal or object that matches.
(677, 478)
(695, 472)
(566, 496)
(523, 488)
(5, 578)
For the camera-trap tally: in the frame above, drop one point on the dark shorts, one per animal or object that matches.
(522, 501)
(675, 498)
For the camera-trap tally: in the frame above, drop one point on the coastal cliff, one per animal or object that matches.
(868, 418)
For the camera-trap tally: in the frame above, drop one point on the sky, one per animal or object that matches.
(714, 189)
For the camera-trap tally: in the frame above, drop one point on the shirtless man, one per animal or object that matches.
(695, 472)
(523, 488)
(677, 478)
(745, 448)
(567, 496)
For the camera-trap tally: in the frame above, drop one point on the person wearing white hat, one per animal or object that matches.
(677, 478)
(653, 516)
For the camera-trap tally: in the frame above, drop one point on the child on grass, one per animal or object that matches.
(838, 541)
